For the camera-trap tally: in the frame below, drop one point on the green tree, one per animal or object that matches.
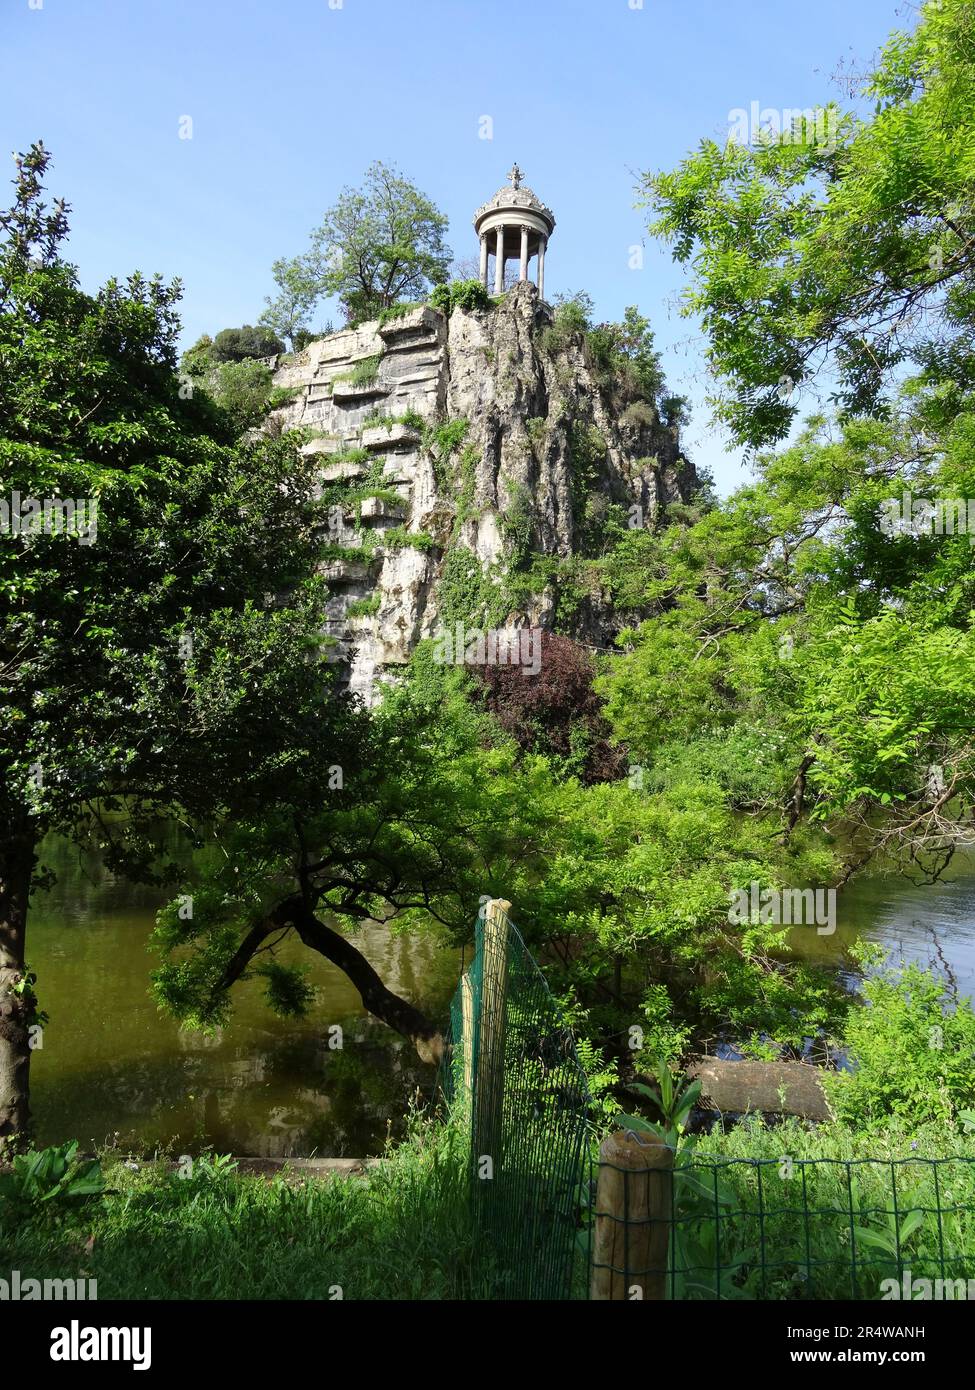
(380, 244)
(300, 286)
(849, 251)
(240, 344)
(145, 667)
(243, 390)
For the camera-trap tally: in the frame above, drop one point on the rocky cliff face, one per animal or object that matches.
(468, 465)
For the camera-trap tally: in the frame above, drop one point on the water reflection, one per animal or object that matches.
(931, 924)
(112, 1064)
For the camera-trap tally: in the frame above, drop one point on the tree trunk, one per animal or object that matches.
(397, 1013)
(16, 867)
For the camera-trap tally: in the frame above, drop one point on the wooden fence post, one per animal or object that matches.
(489, 1075)
(633, 1216)
(467, 1032)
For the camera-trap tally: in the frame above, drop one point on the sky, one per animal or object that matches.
(290, 100)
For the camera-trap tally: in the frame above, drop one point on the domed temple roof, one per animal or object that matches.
(515, 197)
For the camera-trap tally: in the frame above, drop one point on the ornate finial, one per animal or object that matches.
(515, 176)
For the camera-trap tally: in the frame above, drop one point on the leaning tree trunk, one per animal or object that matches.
(16, 867)
(395, 1012)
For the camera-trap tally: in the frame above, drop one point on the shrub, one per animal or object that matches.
(377, 419)
(911, 1049)
(556, 712)
(396, 311)
(639, 415)
(469, 295)
(52, 1175)
(199, 360)
(397, 537)
(364, 373)
(282, 395)
(674, 411)
(364, 607)
(236, 344)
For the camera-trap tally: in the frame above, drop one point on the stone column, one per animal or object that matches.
(542, 243)
(499, 262)
(484, 260)
(523, 274)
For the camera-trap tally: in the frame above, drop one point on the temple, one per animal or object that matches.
(514, 225)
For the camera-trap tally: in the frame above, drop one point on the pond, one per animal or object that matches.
(931, 924)
(112, 1064)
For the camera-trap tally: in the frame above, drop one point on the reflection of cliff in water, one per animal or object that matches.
(112, 1064)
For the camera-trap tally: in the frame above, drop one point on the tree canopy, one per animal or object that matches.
(845, 256)
(380, 243)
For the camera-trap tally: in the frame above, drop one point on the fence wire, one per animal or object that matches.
(521, 1094)
(822, 1228)
(700, 1227)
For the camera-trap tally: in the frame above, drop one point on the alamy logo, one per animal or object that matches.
(784, 907)
(920, 516)
(77, 1343)
(18, 1290)
(50, 516)
(506, 646)
(913, 1290)
(768, 125)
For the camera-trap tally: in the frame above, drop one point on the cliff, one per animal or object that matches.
(470, 464)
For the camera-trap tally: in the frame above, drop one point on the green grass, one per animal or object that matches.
(402, 1232)
(827, 1212)
(364, 373)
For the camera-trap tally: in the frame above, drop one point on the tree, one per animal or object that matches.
(380, 244)
(557, 712)
(625, 351)
(850, 252)
(243, 390)
(155, 604)
(300, 286)
(240, 344)
(421, 822)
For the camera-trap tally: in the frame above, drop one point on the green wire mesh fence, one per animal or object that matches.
(560, 1216)
(858, 1229)
(513, 1080)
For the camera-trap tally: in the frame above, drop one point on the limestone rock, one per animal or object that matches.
(533, 405)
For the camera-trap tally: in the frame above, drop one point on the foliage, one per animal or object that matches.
(380, 244)
(556, 712)
(396, 311)
(243, 389)
(156, 662)
(199, 360)
(365, 372)
(625, 358)
(54, 1175)
(395, 537)
(288, 313)
(404, 1230)
(469, 295)
(835, 253)
(364, 607)
(238, 344)
(911, 1050)
(830, 1211)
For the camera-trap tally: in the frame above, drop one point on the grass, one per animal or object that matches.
(794, 1212)
(402, 1232)
(364, 373)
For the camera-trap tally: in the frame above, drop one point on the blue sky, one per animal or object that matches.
(292, 99)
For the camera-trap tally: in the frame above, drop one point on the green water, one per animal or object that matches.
(111, 1064)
